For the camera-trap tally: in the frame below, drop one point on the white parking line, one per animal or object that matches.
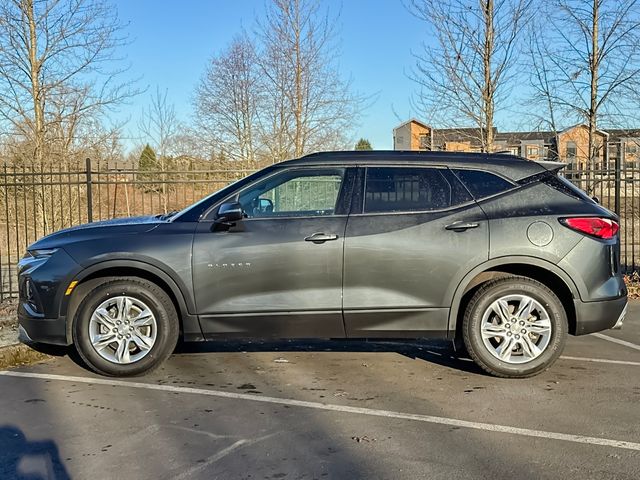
(601, 360)
(489, 427)
(616, 340)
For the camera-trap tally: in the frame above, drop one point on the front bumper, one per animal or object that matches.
(44, 330)
(41, 285)
(601, 315)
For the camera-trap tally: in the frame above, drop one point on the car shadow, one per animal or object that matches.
(433, 351)
(439, 352)
(22, 459)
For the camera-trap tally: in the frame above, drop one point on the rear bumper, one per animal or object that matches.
(597, 316)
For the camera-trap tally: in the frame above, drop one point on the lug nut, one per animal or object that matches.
(507, 326)
(119, 337)
(118, 322)
(114, 330)
(508, 334)
(128, 335)
(517, 337)
(522, 323)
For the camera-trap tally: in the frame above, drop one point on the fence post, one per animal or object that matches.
(89, 191)
(616, 187)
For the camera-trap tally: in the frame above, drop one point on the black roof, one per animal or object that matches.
(510, 166)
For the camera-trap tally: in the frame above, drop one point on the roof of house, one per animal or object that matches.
(414, 120)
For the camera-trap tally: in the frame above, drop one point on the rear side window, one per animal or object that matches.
(482, 184)
(565, 186)
(400, 189)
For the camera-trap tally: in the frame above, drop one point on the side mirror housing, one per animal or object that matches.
(229, 212)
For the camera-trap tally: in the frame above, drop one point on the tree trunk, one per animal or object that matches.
(34, 72)
(594, 71)
(488, 91)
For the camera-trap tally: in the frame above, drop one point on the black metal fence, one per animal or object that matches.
(37, 200)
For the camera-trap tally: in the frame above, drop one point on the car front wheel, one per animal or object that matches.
(514, 327)
(125, 326)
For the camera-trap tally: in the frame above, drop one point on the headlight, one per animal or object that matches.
(42, 253)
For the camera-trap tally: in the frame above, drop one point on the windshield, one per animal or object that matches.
(192, 212)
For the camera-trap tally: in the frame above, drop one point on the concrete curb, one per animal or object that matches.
(19, 354)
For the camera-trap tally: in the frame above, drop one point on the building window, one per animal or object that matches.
(514, 151)
(399, 140)
(631, 147)
(423, 141)
(572, 150)
(533, 151)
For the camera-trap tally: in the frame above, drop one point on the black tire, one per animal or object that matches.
(481, 301)
(158, 302)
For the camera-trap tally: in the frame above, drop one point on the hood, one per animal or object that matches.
(101, 229)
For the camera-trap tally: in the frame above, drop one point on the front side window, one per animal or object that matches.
(400, 189)
(294, 193)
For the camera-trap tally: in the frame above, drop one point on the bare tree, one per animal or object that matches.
(540, 106)
(466, 75)
(55, 68)
(311, 107)
(593, 56)
(160, 126)
(227, 100)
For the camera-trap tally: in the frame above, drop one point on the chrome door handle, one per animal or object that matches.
(320, 237)
(461, 226)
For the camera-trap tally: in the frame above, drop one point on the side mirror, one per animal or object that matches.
(229, 212)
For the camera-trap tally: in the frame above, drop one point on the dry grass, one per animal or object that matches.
(633, 284)
(8, 310)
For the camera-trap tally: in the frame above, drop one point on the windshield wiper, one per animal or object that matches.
(165, 216)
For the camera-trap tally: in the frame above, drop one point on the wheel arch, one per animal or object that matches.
(545, 272)
(93, 275)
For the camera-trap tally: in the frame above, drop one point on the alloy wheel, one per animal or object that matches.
(123, 329)
(516, 329)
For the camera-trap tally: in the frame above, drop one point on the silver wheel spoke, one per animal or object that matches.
(124, 307)
(505, 348)
(103, 340)
(540, 327)
(501, 308)
(102, 316)
(529, 348)
(122, 353)
(525, 308)
(142, 341)
(490, 331)
(144, 318)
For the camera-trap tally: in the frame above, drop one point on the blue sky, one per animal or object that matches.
(171, 42)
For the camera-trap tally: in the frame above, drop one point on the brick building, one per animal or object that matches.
(569, 145)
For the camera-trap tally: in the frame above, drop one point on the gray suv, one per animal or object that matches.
(493, 251)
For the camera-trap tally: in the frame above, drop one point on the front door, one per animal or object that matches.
(416, 233)
(277, 272)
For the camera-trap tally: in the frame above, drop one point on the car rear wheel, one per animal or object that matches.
(514, 327)
(125, 326)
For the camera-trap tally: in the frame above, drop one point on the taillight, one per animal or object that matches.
(595, 226)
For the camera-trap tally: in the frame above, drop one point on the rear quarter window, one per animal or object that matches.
(483, 184)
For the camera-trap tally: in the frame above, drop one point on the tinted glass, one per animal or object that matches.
(294, 193)
(483, 184)
(397, 189)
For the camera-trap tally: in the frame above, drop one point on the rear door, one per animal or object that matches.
(277, 272)
(414, 233)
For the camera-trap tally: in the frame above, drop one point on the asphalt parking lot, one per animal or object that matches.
(315, 410)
